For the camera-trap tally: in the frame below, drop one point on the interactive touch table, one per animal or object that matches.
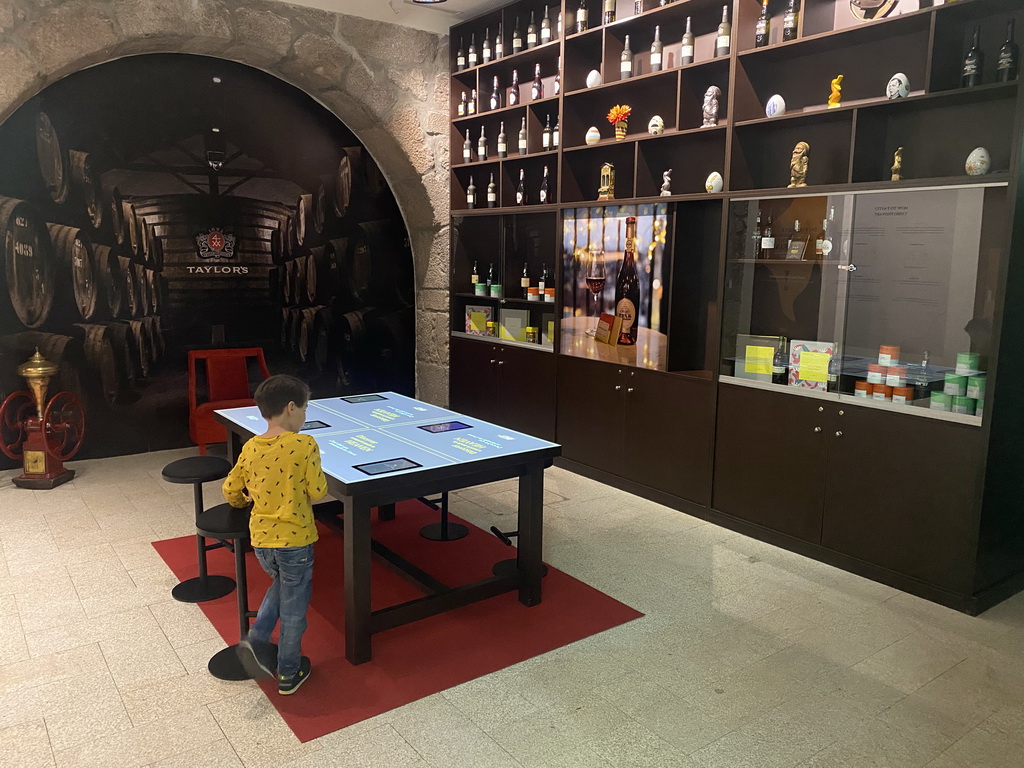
(379, 449)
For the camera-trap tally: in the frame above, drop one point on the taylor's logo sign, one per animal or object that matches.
(215, 244)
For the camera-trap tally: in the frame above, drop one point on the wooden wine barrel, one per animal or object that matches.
(66, 352)
(73, 250)
(339, 345)
(53, 159)
(303, 229)
(132, 289)
(123, 343)
(86, 180)
(321, 275)
(323, 206)
(390, 349)
(347, 179)
(291, 321)
(102, 360)
(307, 339)
(111, 280)
(155, 336)
(378, 266)
(154, 248)
(29, 269)
(136, 231)
(117, 220)
(143, 343)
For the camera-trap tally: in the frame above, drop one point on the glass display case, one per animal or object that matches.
(884, 298)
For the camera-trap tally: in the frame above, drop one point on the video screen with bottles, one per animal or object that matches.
(613, 259)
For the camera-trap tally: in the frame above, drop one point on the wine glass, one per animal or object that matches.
(594, 277)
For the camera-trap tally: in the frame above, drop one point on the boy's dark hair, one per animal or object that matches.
(273, 394)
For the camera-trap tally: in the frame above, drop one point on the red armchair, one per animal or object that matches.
(227, 386)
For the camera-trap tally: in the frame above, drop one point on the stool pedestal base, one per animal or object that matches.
(200, 590)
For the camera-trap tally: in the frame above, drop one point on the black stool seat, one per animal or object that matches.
(196, 469)
(224, 522)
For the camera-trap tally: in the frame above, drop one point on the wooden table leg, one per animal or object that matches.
(529, 558)
(357, 581)
(234, 446)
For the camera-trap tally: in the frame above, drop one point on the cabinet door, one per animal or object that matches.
(472, 378)
(526, 391)
(902, 493)
(590, 413)
(669, 422)
(770, 461)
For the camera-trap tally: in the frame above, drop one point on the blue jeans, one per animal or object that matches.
(287, 599)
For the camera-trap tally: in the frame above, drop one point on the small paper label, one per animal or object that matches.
(531, 39)
(687, 51)
(655, 59)
(813, 366)
(723, 41)
(758, 360)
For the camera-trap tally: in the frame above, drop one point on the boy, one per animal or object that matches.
(279, 472)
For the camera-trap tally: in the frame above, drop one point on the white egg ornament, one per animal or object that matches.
(714, 183)
(657, 126)
(898, 86)
(979, 162)
(594, 79)
(593, 135)
(775, 107)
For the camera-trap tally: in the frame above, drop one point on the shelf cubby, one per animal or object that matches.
(648, 95)
(581, 171)
(694, 83)
(692, 156)
(480, 172)
(954, 29)
(534, 168)
(582, 55)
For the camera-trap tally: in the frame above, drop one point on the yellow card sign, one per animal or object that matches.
(813, 366)
(758, 360)
(478, 321)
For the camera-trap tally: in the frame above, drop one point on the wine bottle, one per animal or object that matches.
(471, 194)
(492, 193)
(627, 288)
(558, 77)
(491, 277)
(609, 12)
(502, 141)
(790, 22)
(656, 49)
(559, 23)
(474, 276)
(544, 187)
(517, 38)
(1008, 62)
(974, 63)
(460, 57)
(767, 239)
(463, 104)
(554, 136)
(471, 107)
(471, 59)
(499, 43)
(524, 281)
(481, 145)
(545, 137)
(833, 373)
(513, 93)
(531, 32)
(581, 17)
(496, 95)
(543, 282)
(686, 52)
(626, 61)
(756, 237)
(521, 189)
(545, 27)
(537, 92)
(486, 48)
(780, 364)
(638, 7)
(762, 28)
(723, 42)
(522, 138)
(467, 149)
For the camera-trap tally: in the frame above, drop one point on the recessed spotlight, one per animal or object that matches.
(216, 79)
(215, 130)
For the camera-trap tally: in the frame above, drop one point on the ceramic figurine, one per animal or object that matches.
(657, 126)
(714, 183)
(775, 107)
(979, 162)
(607, 189)
(594, 79)
(837, 92)
(711, 97)
(897, 165)
(593, 135)
(666, 183)
(898, 86)
(798, 165)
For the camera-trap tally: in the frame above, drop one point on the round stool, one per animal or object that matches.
(511, 566)
(444, 530)
(227, 522)
(194, 471)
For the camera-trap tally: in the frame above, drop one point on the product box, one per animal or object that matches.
(754, 356)
(808, 363)
(963, 405)
(976, 387)
(608, 327)
(477, 317)
(513, 324)
(967, 363)
(940, 401)
(955, 385)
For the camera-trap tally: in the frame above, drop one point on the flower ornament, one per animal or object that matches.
(619, 113)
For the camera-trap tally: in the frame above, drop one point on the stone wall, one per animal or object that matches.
(387, 83)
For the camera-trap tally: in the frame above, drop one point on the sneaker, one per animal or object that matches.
(259, 658)
(286, 686)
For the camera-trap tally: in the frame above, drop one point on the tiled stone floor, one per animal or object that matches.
(749, 657)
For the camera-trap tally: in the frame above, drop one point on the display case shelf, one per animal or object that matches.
(539, 347)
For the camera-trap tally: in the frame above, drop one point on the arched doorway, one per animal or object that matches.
(180, 202)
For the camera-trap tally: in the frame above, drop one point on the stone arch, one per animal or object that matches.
(387, 84)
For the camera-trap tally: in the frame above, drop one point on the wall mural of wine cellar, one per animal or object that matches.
(160, 205)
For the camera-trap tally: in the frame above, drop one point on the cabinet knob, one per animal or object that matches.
(841, 412)
(618, 387)
(817, 429)
(821, 409)
(501, 362)
(493, 361)
(839, 434)
(629, 389)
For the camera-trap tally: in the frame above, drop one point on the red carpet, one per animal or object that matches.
(417, 659)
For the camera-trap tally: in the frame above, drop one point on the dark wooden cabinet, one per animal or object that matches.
(648, 427)
(506, 385)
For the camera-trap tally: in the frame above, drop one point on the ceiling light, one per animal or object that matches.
(216, 79)
(215, 130)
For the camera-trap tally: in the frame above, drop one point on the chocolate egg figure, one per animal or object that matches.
(714, 183)
(775, 107)
(979, 162)
(657, 126)
(898, 86)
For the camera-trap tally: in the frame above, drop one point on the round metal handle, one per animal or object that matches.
(839, 434)
(493, 362)
(817, 429)
(820, 409)
(618, 387)
(501, 362)
(841, 413)
(629, 389)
